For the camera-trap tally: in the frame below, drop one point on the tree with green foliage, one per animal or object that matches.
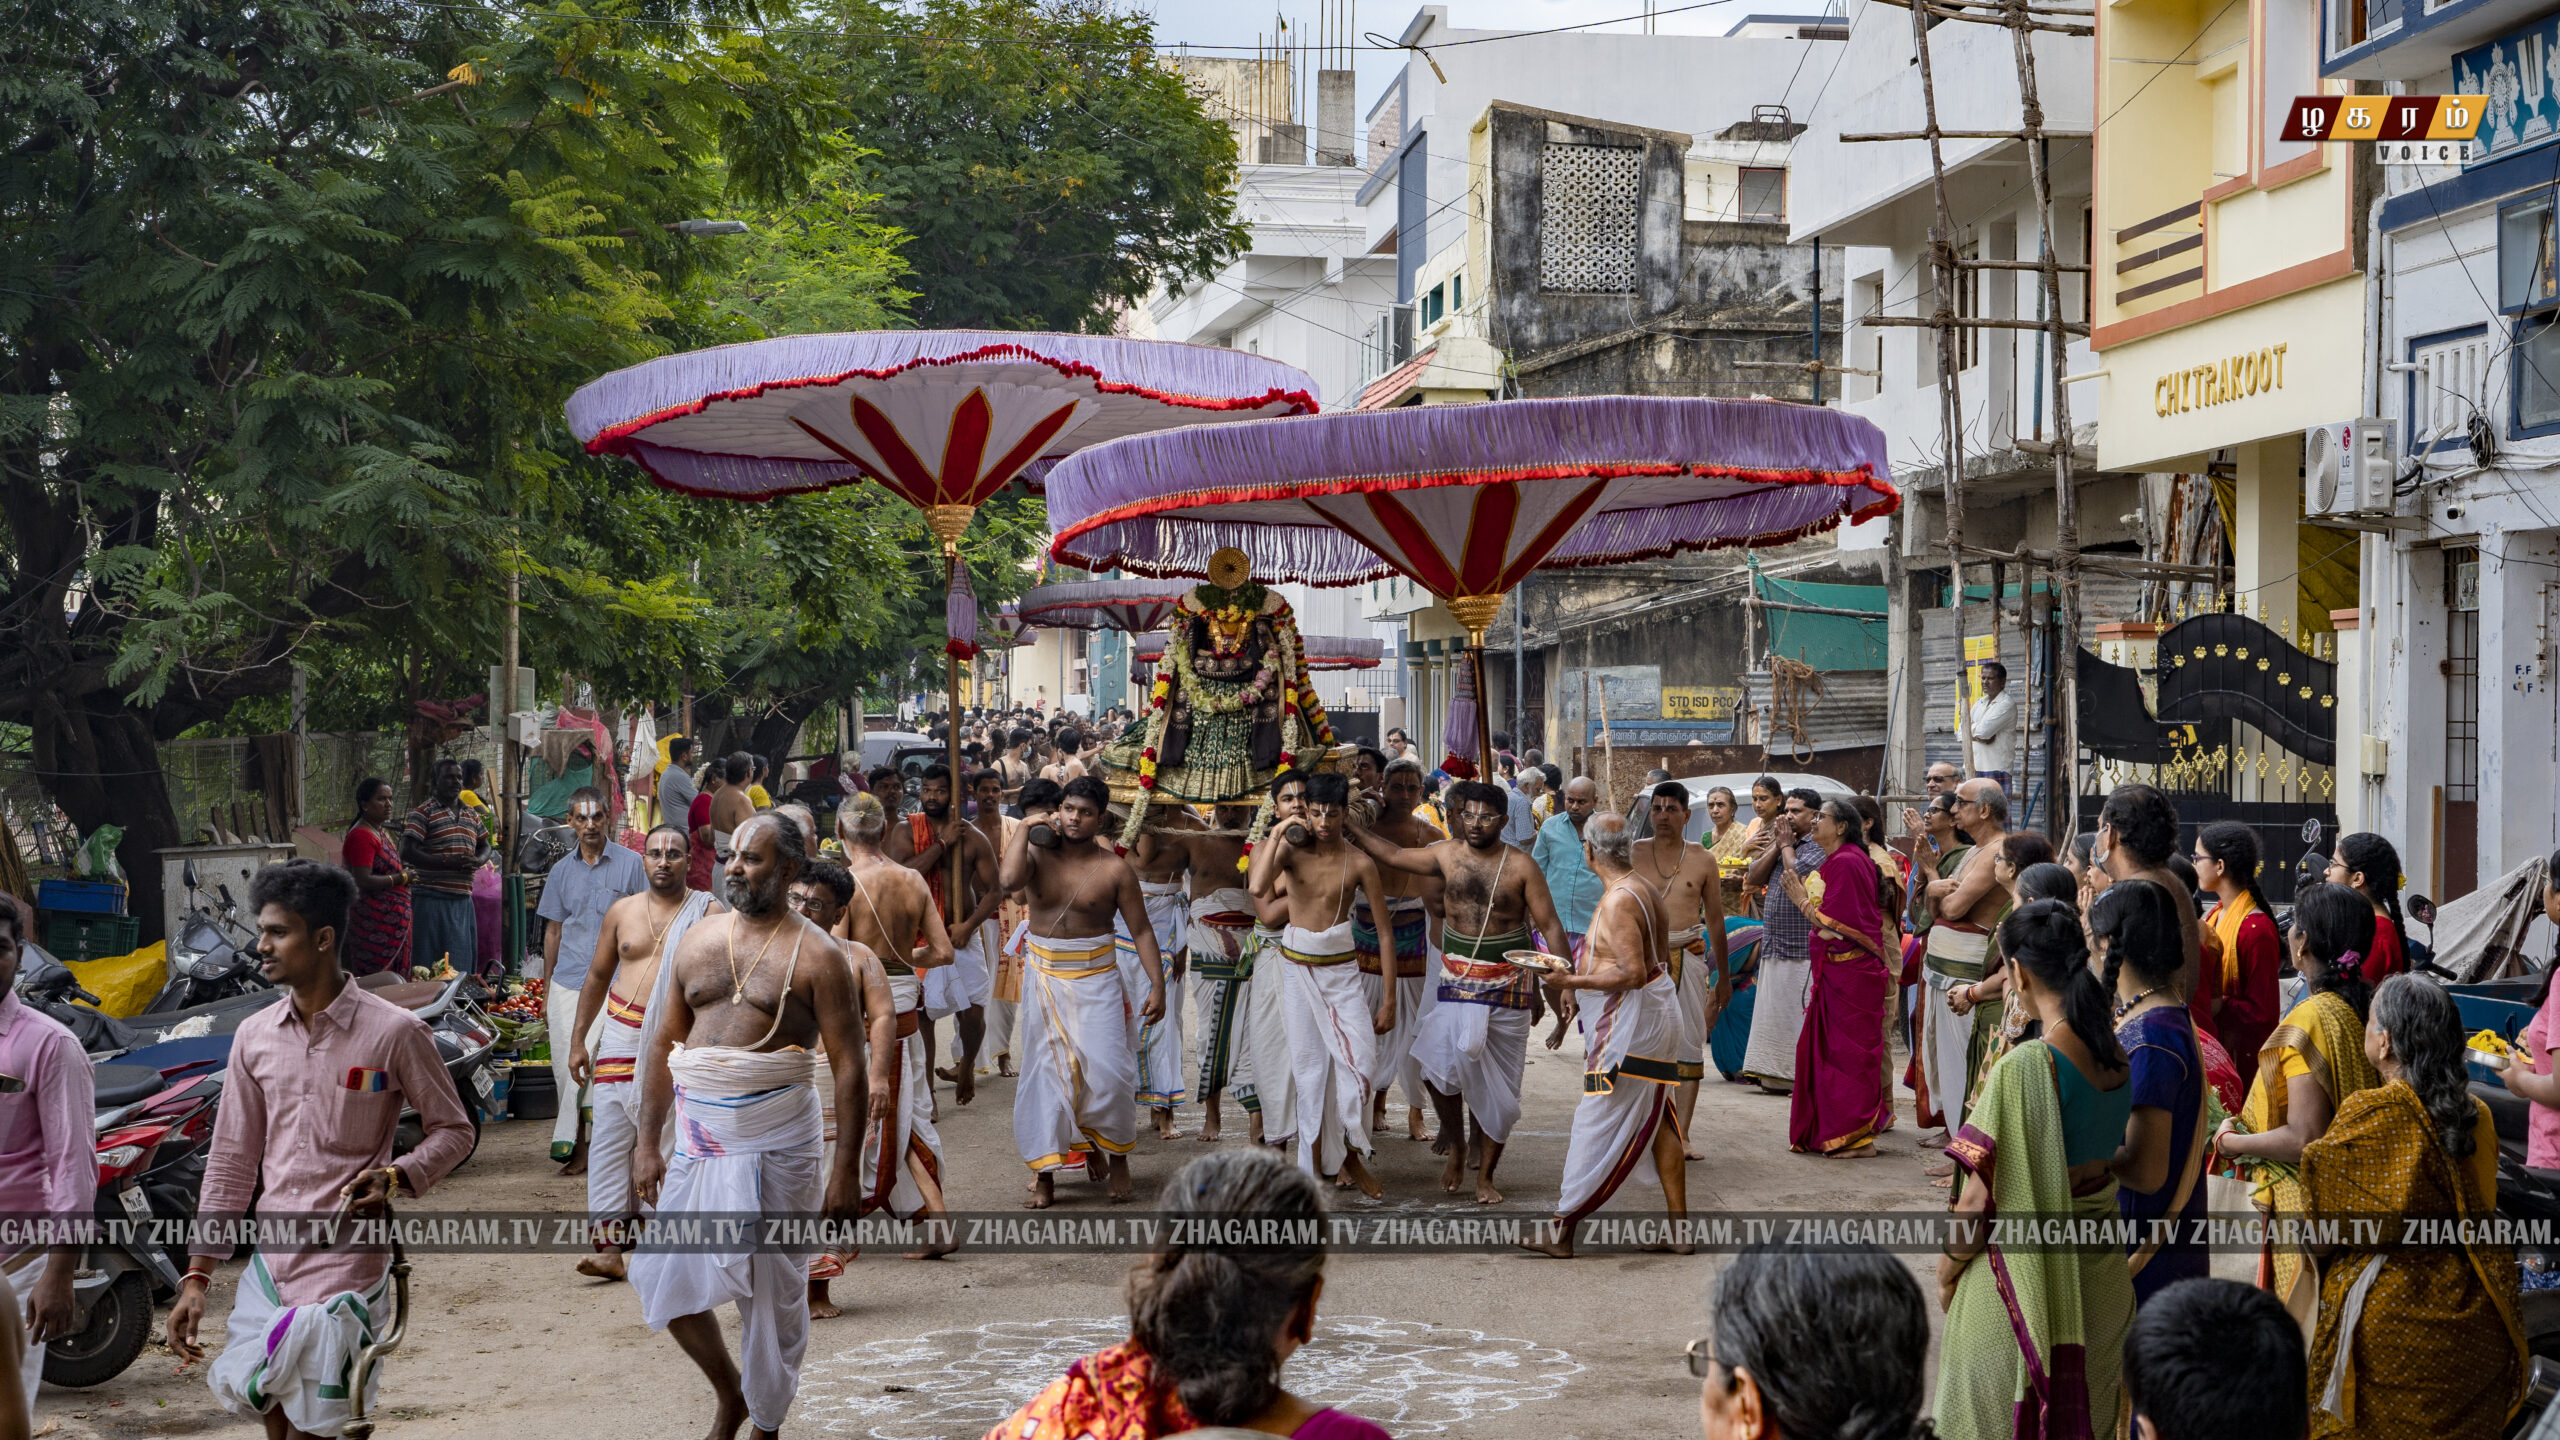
(1050, 170)
(292, 295)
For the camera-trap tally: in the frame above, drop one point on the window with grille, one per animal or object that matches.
(1587, 238)
(2462, 674)
(2447, 388)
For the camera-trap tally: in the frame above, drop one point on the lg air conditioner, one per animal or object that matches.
(2348, 467)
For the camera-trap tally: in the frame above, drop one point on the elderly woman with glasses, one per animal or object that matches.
(1809, 1344)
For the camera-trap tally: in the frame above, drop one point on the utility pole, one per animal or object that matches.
(2022, 19)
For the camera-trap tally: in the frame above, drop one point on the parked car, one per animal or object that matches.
(1739, 782)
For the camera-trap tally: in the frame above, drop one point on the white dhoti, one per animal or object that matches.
(24, 1270)
(1627, 1077)
(908, 1135)
(1159, 1042)
(1776, 1016)
(625, 1034)
(1394, 1063)
(1221, 922)
(749, 1141)
(1475, 1041)
(1264, 1082)
(1954, 958)
(1332, 1044)
(966, 981)
(1693, 987)
(299, 1357)
(1079, 1086)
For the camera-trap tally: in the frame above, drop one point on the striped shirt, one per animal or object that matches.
(444, 831)
(1785, 932)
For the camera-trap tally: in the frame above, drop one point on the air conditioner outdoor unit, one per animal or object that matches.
(2348, 467)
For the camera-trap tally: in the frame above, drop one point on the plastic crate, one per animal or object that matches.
(91, 937)
(81, 897)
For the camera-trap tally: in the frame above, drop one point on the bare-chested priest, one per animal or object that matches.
(821, 893)
(1693, 901)
(893, 915)
(622, 984)
(751, 994)
(1413, 902)
(1476, 1041)
(1078, 1098)
(1332, 1032)
(1955, 959)
(1221, 922)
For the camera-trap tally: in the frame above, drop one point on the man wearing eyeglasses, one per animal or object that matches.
(575, 896)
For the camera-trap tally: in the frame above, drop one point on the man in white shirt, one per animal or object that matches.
(1994, 722)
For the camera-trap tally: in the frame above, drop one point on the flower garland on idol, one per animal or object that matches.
(1302, 716)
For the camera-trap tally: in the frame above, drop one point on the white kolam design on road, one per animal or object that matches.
(1410, 1376)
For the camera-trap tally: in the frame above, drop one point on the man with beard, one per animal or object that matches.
(820, 895)
(1413, 904)
(1220, 922)
(1627, 1072)
(960, 989)
(1558, 853)
(1264, 1085)
(1693, 902)
(1955, 959)
(621, 986)
(890, 915)
(1078, 1097)
(1332, 1045)
(738, 1036)
(1472, 1047)
(1161, 869)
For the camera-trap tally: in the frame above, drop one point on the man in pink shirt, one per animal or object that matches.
(315, 1091)
(48, 1149)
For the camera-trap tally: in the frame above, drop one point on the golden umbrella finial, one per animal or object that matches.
(1229, 568)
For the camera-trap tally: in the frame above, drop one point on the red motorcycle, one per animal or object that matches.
(151, 1156)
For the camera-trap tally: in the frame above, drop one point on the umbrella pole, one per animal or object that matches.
(1476, 612)
(952, 737)
(949, 523)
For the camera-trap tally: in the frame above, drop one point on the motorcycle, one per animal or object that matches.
(212, 957)
(151, 1160)
(465, 1037)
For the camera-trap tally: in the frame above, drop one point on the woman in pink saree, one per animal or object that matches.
(1841, 1099)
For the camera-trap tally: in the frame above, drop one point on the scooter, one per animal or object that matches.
(151, 1158)
(212, 957)
(465, 1038)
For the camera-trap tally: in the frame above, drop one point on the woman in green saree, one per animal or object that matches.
(2308, 1067)
(2035, 1334)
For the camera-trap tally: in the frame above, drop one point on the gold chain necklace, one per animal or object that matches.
(737, 982)
(658, 928)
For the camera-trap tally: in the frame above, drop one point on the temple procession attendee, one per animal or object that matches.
(1264, 1084)
(1785, 957)
(959, 990)
(892, 916)
(1966, 901)
(2160, 1169)
(1813, 1343)
(731, 1061)
(1728, 839)
(2035, 1333)
(1841, 1099)
(1693, 899)
(820, 896)
(1332, 1028)
(2414, 1340)
(1558, 854)
(582, 886)
(1216, 931)
(443, 844)
(621, 984)
(1473, 1046)
(311, 1103)
(1077, 1100)
(1413, 904)
(378, 931)
(1629, 1034)
(1163, 875)
(2237, 996)
(2311, 1064)
(2370, 865)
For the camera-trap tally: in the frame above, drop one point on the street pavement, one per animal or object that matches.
(1487, 1347)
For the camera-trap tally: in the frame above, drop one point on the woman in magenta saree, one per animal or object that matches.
(1840, 1099)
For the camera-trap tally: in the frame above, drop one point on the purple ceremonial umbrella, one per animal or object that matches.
(942, 419)
(1467, 500)
(1136, 606)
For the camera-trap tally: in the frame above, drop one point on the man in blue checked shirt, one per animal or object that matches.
(575, 896)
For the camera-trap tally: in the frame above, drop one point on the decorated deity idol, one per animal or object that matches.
(1231, 705)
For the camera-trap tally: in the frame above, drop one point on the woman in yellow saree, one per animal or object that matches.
(2419, 1340)
(2308, 1067)
(2035, 1334)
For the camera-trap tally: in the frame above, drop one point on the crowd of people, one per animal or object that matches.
(743, 1008)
